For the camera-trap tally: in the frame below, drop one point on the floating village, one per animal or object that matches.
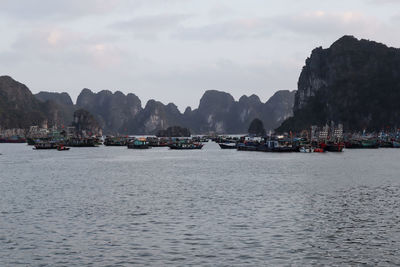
(317, 139)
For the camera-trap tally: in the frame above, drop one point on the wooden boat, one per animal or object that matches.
(186, 146)
(395, 144)
(13, 140)
(353, 144)
(227, 145)
(362, 144)
(46, 145)
(248, 147)
(268, 146)
(115, 141)
(82, 142)
(370, 143)
(281, 146)
(157, 142)
(386, 144)
(334, 147)
(139, 144)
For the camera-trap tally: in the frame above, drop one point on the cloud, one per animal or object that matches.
(150, 26)
(327, 23)
(62, 9)
(65, 47)
(311, 23)
(229, 30)
(381, 2)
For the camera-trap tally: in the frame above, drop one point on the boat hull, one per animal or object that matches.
(227, 146)
(363, 144)
(45, 146)
(337, 147)
(13, 141)
(130, 146)
(189, 147)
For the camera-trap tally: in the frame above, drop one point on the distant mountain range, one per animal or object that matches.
(118, 113)
(218, 112)
(353, 82)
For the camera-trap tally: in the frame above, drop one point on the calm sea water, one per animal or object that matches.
(110, 206)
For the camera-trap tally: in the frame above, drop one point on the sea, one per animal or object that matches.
(113, 206)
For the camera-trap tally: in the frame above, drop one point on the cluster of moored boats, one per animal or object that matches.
(245, 143)
(329, 139)
(280, 144)
(129, 142)
(305, 145)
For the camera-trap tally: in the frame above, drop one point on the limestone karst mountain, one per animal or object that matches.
(353, 82)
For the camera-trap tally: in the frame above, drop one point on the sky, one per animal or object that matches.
(175, 50)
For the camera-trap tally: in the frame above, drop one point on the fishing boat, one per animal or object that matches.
(13, 139)
(157, 142)
(227, 145)
(46, 145)
(115, 141)
(334, 146)
(140, 143)
(248, 146)
(386, 144)
(82, 142)
(395, 144)
(362, 144)
(249, 143)
(281, 146)
(186, 145)
(262, 145)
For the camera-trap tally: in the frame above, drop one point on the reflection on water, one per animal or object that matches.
(113, 206)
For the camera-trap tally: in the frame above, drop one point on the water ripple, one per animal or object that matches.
(118, 207)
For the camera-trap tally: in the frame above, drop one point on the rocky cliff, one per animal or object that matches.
(217, 112)
(354, 82)
(19, 108)
(62, 101)
(154, 117)
(59, 98)
(174, 131)
(112, 110)
(85, 123)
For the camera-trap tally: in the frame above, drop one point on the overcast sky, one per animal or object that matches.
(174, 50)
